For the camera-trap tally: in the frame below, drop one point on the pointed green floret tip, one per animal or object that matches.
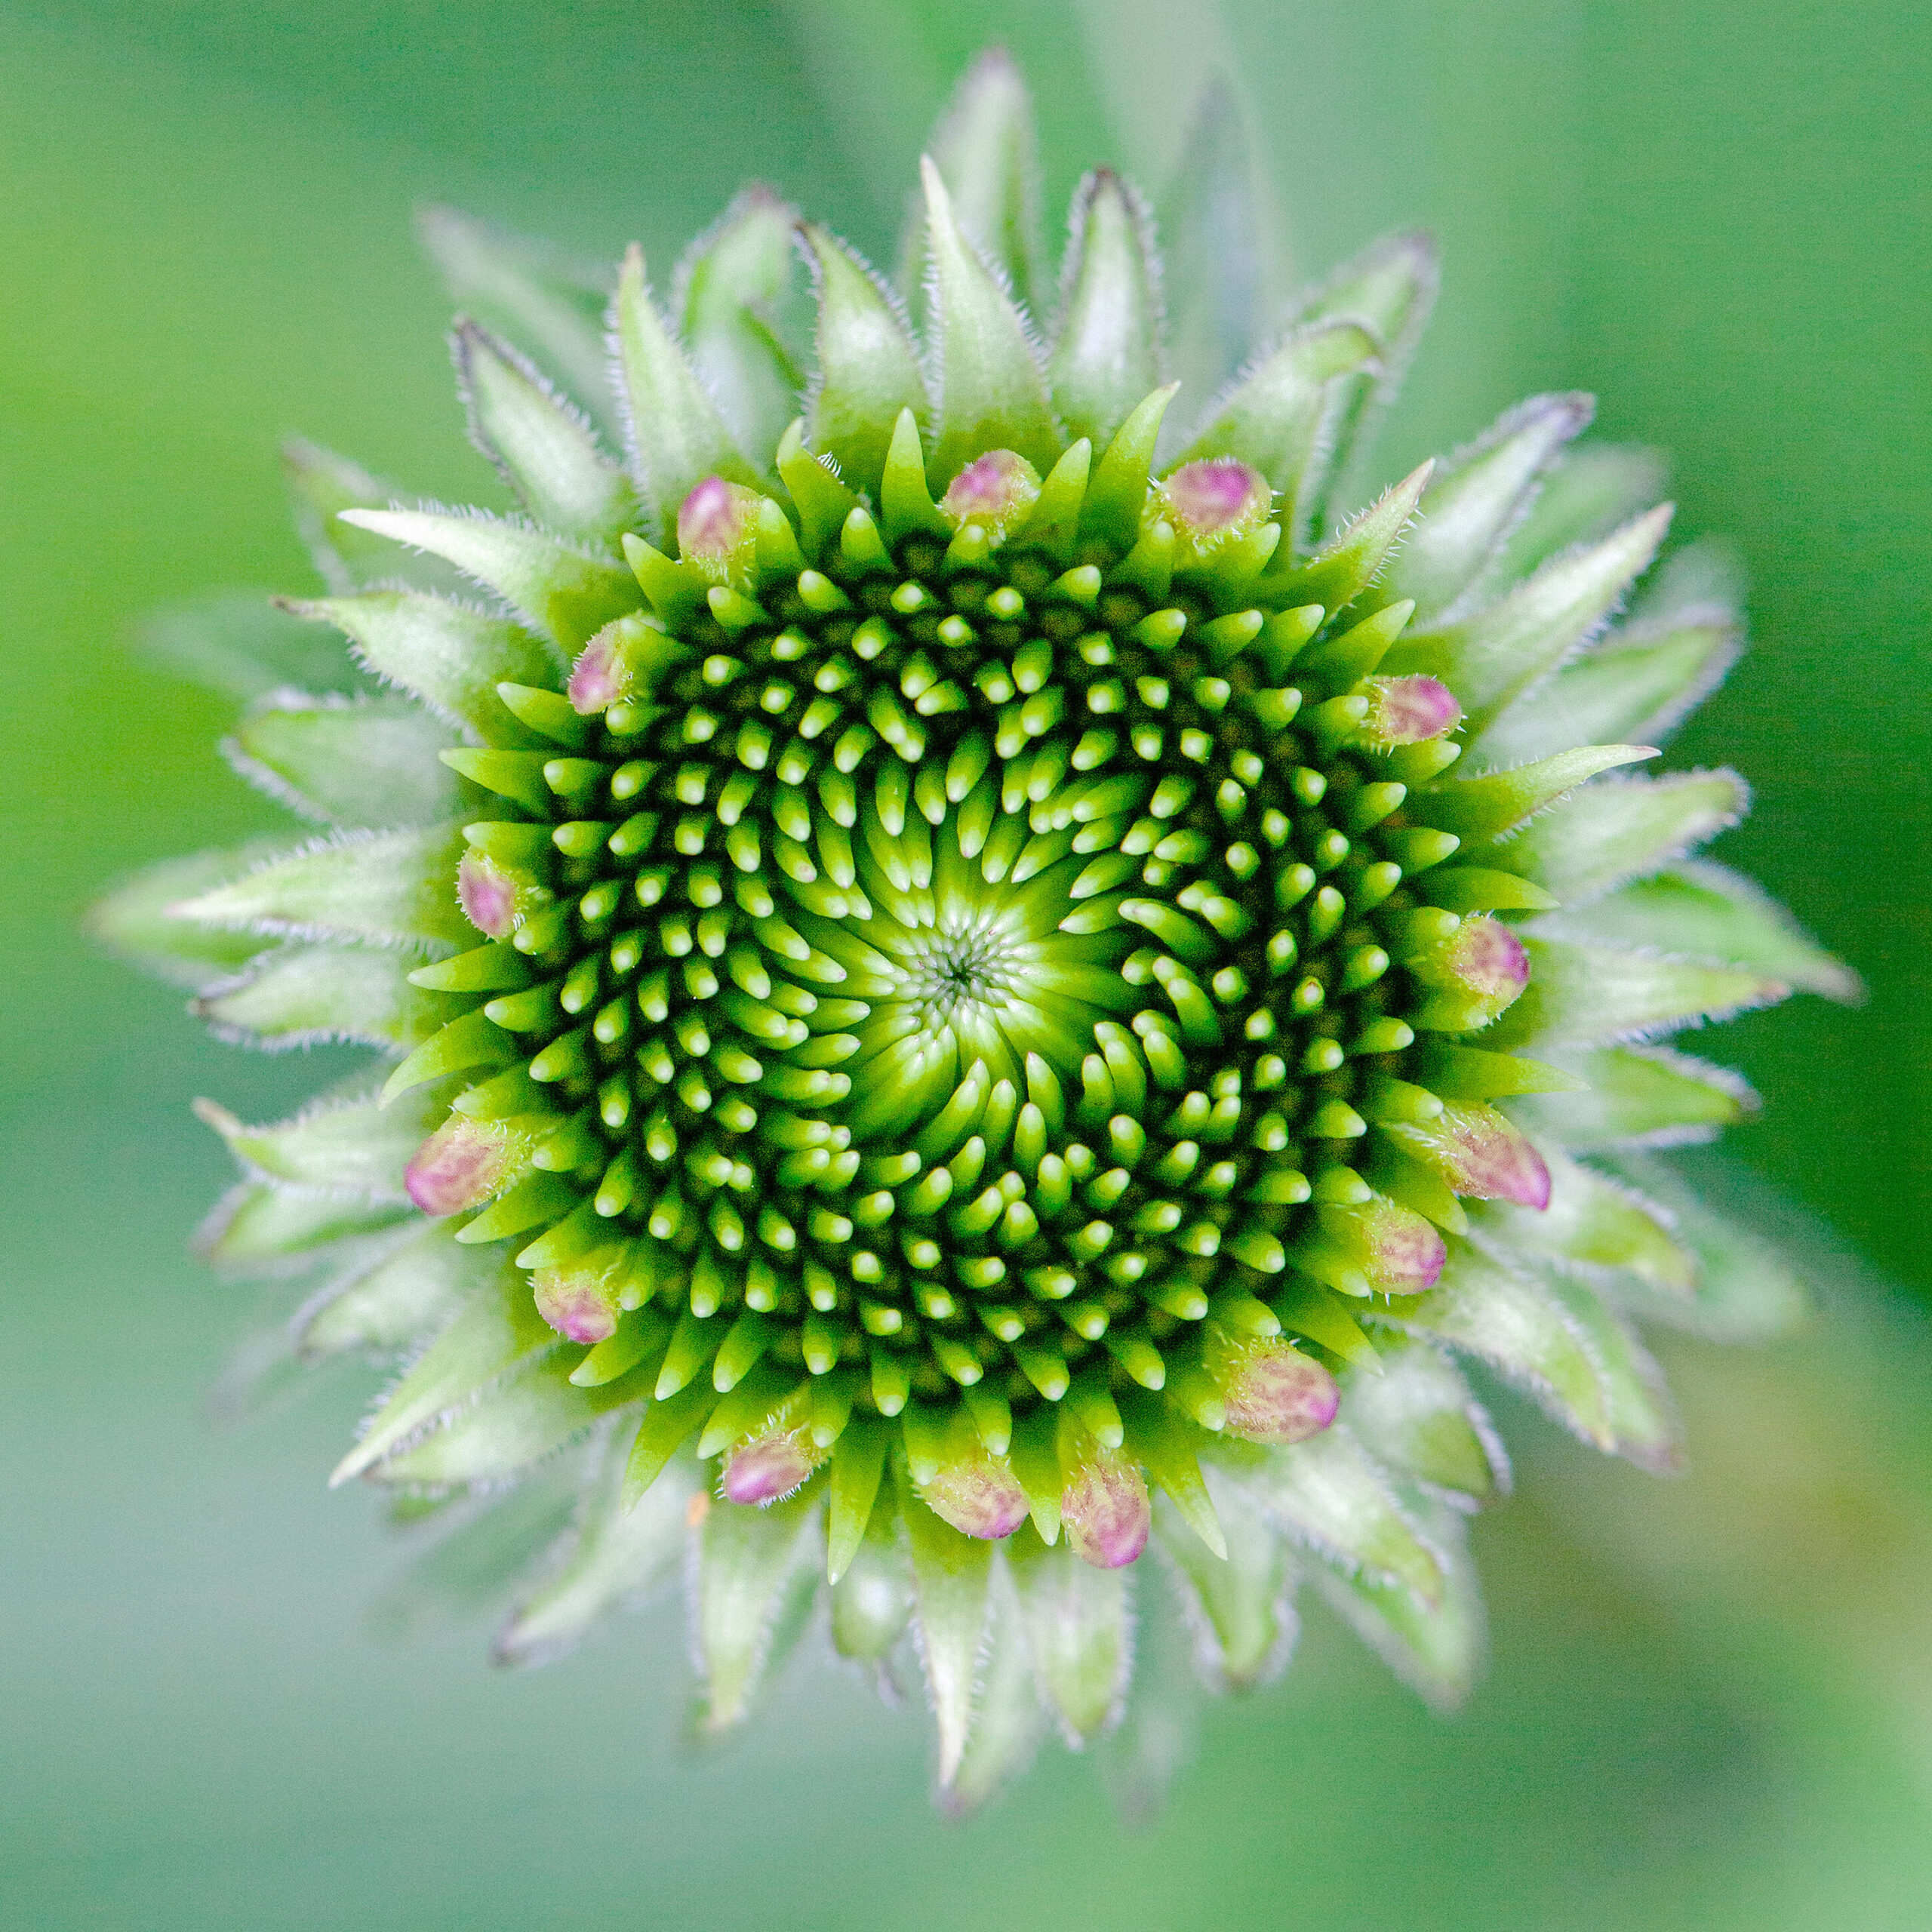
(974, 947)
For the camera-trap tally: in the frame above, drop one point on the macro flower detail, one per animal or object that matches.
(984, 993)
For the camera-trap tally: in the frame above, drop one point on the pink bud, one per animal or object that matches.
(462, 1165)
(579, 1299)
(763, 1468)
(1105, 1510)
(1480, 967)
(978, 1494)
(1399, 1251)
(608, 668)
(1406, 711)
(489, 894)
(995, 491)
(1481, 1153)
(1273, 1393)
(1213, 502)
(717, 529)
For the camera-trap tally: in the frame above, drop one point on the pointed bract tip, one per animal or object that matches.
(717, 530)
(1105, 1509)
(765, 1467)
(578, 1299)
(994, 492)
(460, 1166)
(1407, 710)
(1273, 1393)
(1215, 501)
(978, 1494)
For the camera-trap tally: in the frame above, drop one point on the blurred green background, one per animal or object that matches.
(1710, 1704)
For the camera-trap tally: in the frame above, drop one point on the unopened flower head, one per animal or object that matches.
(1012, 967)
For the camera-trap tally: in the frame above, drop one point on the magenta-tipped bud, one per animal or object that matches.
(1407, 711)
(610, 667)
(717, 530)
(1216, 501)
(996, 492)
(765, 1467)
(1272, 1392)
(462, 1164)
(978, 1494)
(1479, 970)
(579, 1299)
(492, 896)
(1105, 1508)
(1397, 1251)
(1481, 1153)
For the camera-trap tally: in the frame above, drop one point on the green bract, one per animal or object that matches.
(978, 962)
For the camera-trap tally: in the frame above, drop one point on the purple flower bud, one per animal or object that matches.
(1406, 711)
(1216, 501)
(461, 1165)
(1481, 1153)
(1273, 1393)
(978, 1494)
(490, 895)
(579, 1299)
(717, 530)
(1105, 1510)
(765, 1467)
(996, 491)
(1399, 1251)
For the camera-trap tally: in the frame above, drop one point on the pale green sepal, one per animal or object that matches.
(1106, 352)
(871, 1596)
(561, 592)
(1478, 498)
(341, 1144)
(730, 292)
(385, 1303)
(1747, 1290)
(396, 888)
(1161, 1723)
(614, 1558)
(1486, 807)
(1587, 493)
(246, 643)
(1273, 416)
(1622, 829)
(450, 656)
(1643, 1419)
(138, 920)
(751, 1563)
(986, 152)
(1077, 1629)
(1592, 1225)
(858, 1461)
(303, 995)
(868, 366)
(1117, 494)
(258, 1228)
(950, 1576)
(527, 1416)
(1241, 1605)
(904, 501)
(1009, 1724)
(674, 433)
(1701, 911)
(1438, 1649)
(322, 486)
(1604, 995)
(822, 501)
(497, 1331)
(551, 307)
(547, 451)
(1647, 1095)
(1513, 1323)
(363, 764)
(1496, 654)
(1391, 287)
(991, 394)
(1418, 1416)
(1350, 561)
(1214, 276)
(1637, 684)
(1329, 1494)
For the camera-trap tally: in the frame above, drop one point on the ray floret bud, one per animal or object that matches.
(465, 1163)
(995, 493)
(1272, 1391)
(976, 995)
